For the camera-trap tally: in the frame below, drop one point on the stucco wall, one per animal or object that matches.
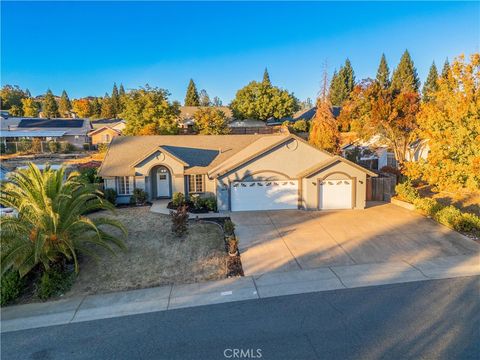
(97, 138)
(338, 171)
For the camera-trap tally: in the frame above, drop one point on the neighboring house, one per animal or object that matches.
(244, 172)
(74, 131)
(371, 157)
(186, 120)
(105, 130)
(419, 150)
(304, 114)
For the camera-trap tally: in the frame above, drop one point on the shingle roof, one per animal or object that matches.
(200, 152)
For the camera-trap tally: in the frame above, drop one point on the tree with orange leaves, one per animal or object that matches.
(82, 107)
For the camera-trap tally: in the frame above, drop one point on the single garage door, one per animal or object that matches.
(264, 195)
(335, 194)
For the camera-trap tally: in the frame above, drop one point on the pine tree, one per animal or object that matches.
(431, 84)
(204, 98)
(349, 77)
(108, 112)
(266, 78)
(121, 91)
(342, 84)
(446, 69)
(64, 106)
(96, 108)
(405, 76)
(383, 73)
(191, 98)
(115, 100)
(50, 107)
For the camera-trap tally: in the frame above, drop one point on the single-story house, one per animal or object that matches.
(74, 131)
(244, 172)
(105, 130)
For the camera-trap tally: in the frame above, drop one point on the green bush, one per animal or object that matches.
(86, 146)
(178, 199)
(198, 202)
(24, 145)
(66, 147)
(406, 192)
(3, 148)
(469, 223)
(427, 206)
(110, 195)
(211, 203)
(12, 285)
(54, 282)
(53, 146)
(300, 126)
(228, 227)
(449, 216)
(139, 196)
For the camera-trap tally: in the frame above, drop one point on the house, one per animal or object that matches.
(244, 172)
(74, 131)
(105, 130)
(304, 114)
(186, 120)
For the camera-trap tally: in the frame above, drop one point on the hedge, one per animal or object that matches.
(447, 215)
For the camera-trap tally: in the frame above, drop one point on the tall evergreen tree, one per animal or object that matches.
(431, 84)
(115, 100)
(50, 107)
(121, 90)
(405, 77)
(342, 84)
(64, 105)
(383, 73)
(266, 78)
(191, 98)
(446, 69)
(96, 108)
(108, 111)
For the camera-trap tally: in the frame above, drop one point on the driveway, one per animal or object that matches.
(294, 239)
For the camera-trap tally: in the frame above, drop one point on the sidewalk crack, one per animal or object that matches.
(78, 308)
(338, 277)
(169, 296)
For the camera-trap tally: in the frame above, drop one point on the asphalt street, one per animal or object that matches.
(437, 319)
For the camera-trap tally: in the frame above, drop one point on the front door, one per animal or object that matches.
(163, 183)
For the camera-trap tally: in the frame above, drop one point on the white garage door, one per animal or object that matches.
(264, 195)
(335, 194)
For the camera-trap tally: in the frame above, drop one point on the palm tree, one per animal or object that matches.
(51, 225)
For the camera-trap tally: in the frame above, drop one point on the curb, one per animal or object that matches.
(165, 298)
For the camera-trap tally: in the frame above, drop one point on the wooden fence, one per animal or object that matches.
(381, 188)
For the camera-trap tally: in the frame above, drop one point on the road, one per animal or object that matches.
(437, 319)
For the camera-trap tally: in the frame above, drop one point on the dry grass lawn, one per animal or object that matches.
(155, 256)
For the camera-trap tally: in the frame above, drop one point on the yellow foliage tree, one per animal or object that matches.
(451, 125)
(82, 107)
(324, 132)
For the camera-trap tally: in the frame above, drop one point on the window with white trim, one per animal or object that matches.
(195, 184)
(124, 185)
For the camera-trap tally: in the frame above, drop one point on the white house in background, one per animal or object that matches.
(372, 153)
(419, 150)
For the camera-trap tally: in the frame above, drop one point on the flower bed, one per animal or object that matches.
(196, 204)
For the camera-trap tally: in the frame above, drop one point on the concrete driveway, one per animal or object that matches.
(294, 239)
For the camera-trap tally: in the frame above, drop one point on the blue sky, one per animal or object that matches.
(85, 47)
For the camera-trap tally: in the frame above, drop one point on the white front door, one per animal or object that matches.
(335, 194)
(264, 195)
(163, 183)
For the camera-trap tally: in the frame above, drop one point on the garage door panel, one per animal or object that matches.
(264, 195)
(335, 194)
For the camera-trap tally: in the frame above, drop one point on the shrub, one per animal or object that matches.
(228, 227)
(300, 126)
(53, 146)
(427, 206)
(178, 199)
(211, 203)
(86, 146)
(11, 148)
(110, 195)
(89, 175)
(179, 220)
(405, 191)
(36, 145)
(3, 148)
(24, 145)
(54, 282)
(102, 148)
(449, 216)
(232, 245)
(199, 203)
(469, 223)
(66, 147)
(12, 285)
(139, 196)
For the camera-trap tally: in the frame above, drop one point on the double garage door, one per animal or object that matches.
(278, 195)
(264, 195)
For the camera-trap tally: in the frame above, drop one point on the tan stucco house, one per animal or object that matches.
(244, 172)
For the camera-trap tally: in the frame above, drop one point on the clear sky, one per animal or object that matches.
(85, 47)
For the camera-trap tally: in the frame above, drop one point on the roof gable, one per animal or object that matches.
(319, 167)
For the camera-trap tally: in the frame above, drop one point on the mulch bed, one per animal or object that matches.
(190, 208)
(234, 266)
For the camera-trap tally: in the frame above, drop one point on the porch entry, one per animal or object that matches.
(161, 182)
